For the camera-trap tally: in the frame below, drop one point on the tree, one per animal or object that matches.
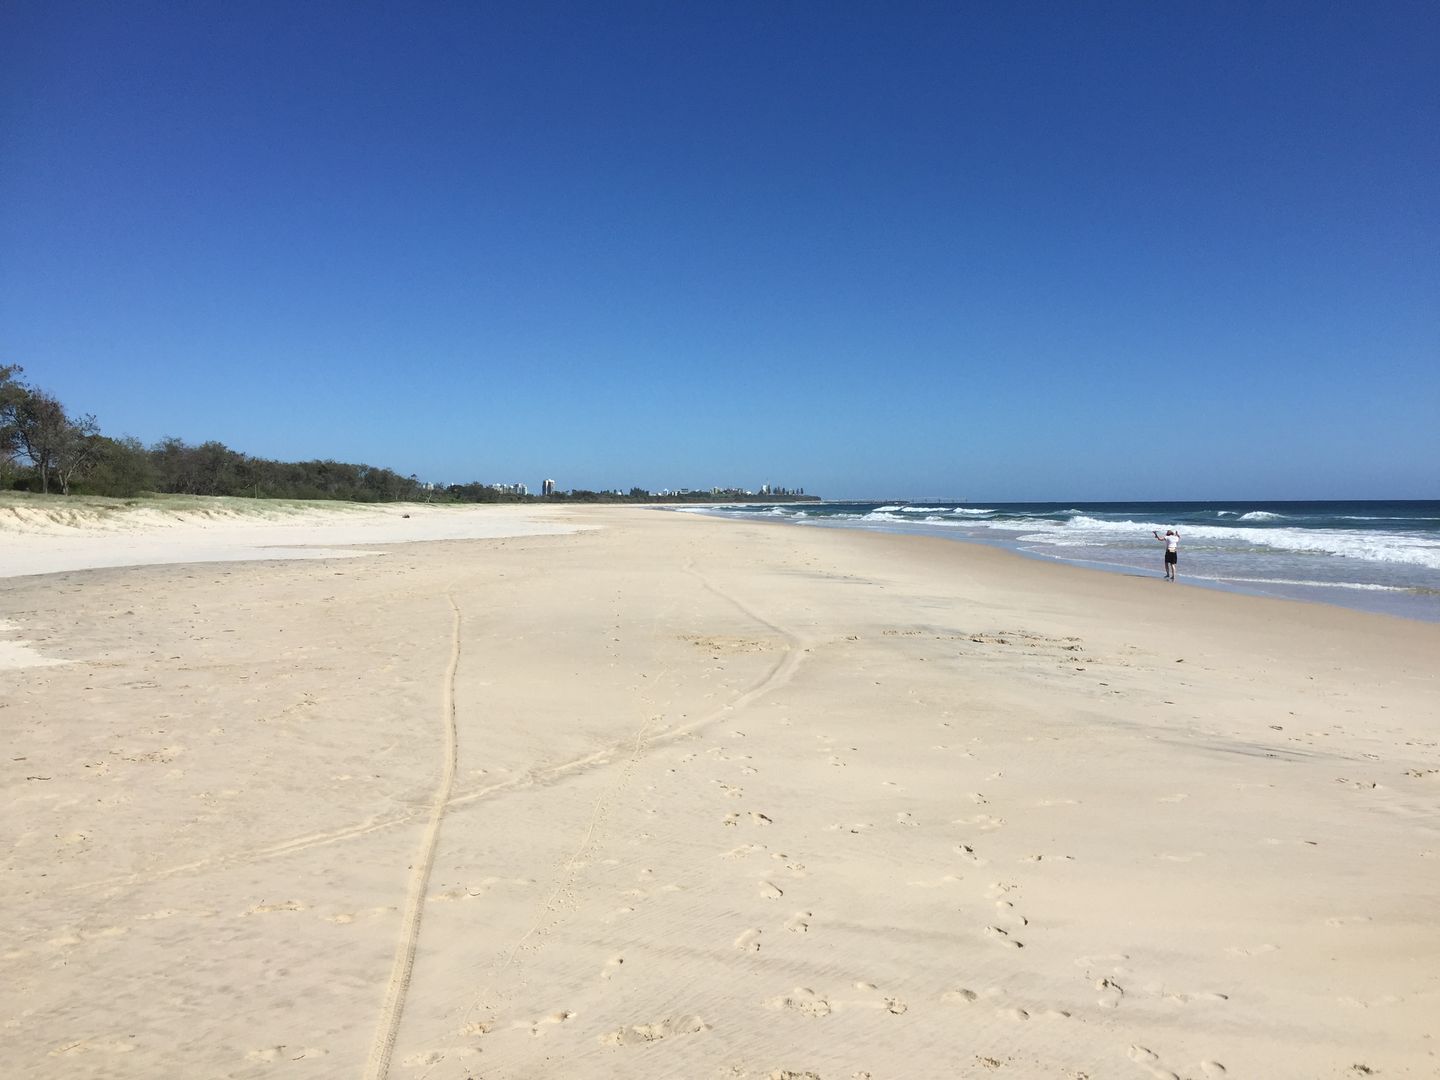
(77, 450)
(12, 392)
(123, 468)
(43, 434)
(35, 426)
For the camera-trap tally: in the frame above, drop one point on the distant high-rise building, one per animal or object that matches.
(548, 488)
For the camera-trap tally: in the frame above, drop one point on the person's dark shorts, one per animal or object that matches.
(1172, 557)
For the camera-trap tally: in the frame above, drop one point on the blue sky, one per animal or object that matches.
(987, 251)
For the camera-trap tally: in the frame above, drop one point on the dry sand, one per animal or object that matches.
(674, 797)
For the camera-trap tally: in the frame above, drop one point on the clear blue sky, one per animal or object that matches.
(989, 251)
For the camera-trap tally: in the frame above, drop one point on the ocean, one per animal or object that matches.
(1372, 556)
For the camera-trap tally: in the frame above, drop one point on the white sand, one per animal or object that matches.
(683, 798)
(43, 537)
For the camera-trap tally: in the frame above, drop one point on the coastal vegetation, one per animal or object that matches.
(46, 449)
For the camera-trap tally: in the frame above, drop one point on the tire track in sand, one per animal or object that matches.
(377, 1067)
(777, 675)
(630, 753)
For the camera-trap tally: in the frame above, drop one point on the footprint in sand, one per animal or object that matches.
(799, 923)
(1110, 993)
(1149, 1060)
(1002, 937)
(1005, 913)
(612, 967)
(749, 941)
(770, 891)
(802, 1000)
(893, 1005)
(283, 905)
(966, 852)
(993, 998)
(743, 850)
(640, 1034)
(536, 1027)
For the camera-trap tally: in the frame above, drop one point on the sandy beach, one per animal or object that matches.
(616, 792)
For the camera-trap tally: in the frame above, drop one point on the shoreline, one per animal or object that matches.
(1298, 592)
(725, 801)
(1416, 603)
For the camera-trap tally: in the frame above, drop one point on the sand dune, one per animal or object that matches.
(47, 536)
(671, 797)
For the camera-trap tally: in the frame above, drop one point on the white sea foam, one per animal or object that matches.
(1068, 541)
(1384, 547)
(1361, 585)
(1261, 515)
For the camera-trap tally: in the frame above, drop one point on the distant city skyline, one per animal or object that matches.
(999, 253)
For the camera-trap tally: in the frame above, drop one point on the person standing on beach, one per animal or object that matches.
(1171, 540)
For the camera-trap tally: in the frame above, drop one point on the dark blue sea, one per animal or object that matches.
(1373, 556)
